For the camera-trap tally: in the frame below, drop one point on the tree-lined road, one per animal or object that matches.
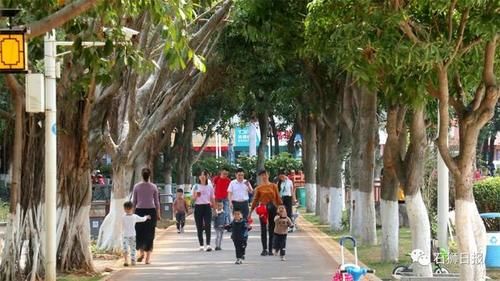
(176, 257)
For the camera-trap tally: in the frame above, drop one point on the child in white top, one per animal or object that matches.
(129, 220)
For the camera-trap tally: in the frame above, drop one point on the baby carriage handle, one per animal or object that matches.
(347, 238)
(368, 270)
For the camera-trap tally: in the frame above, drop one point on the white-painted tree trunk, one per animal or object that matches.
(76, 226)
(110, 237)
(389, 213)
(471, 236)
(420, 231)
(311, 197)
(111, 228)
(336, 208)
(368, 226)
(324, 197)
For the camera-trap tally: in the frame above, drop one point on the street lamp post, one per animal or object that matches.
(50, 50)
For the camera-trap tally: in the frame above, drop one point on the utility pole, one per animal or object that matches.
(50, 50)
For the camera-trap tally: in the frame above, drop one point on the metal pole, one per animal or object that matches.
(50, 156)
(443, 200)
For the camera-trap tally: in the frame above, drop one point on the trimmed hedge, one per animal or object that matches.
(487, 195)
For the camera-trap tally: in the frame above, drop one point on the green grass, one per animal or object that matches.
(4, 211)
(371, 255)
(73, 277)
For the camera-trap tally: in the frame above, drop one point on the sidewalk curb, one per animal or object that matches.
(331, 246)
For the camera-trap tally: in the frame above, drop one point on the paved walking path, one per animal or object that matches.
(177, 257)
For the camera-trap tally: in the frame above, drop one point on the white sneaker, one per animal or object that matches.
(202, 248)
(209, 249)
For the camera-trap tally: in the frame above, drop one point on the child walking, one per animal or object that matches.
(180, 210)
(129, 220)
(219, 224)
(239, 234)
(282, 223)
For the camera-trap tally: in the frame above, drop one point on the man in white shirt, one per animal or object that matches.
(239, 191)
(287, 192)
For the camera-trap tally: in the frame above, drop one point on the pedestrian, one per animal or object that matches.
(180, 210)
(219, 224)
(287, 192)
(204, 202)
(221, 184)
(282, 222)
(129, 219)
(146, 202)
(266, 194)
(239, 235)
(239, 191)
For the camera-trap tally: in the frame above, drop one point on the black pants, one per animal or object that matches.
(280, 243)
(203, 220)
(240, 246)
(287, 201)
(180, 219)
(243, 207)
(269, 227)
(145, 231)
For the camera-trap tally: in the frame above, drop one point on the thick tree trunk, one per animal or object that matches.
(389, 208)
(420, 230)
(276, 150)
(308, 127)
(13, 236)
(263, 118)
(291, 142)
(412, 175)
(326, 147)
(184, 147)
(363, 152)
(75, 187)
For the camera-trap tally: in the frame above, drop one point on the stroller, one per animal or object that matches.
(347, 271)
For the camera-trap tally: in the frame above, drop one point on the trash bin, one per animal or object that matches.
(301, 195)
(492, 259)
(98, 211)
(166, 205)
(95, 225)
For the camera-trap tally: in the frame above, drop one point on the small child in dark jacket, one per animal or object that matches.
(239, 234)
(219, 220)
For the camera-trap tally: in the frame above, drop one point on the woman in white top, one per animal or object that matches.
(203, 196)
(287, 193)
(239, 191)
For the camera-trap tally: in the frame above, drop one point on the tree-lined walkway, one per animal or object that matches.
(176, 257)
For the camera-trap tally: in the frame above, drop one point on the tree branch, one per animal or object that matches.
(406, 28)
(460, 39)
(457, 102)
(471, 45)
(444, 120)
(59, 18)
(208, 134)
(109, 92)
(108, 140)
(489, 62)
(450, 19)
